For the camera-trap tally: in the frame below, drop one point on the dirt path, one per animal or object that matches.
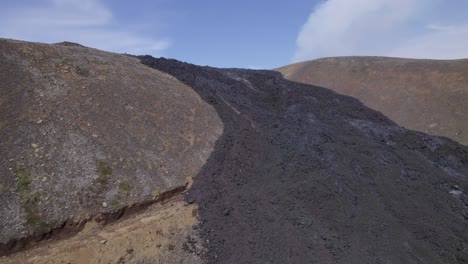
(164, 233)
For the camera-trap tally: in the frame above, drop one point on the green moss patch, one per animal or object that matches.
(125, 186)
(115, 203)
(33, 218)
(29, 202)
(24, 180)
(104, 171)
(82, 71)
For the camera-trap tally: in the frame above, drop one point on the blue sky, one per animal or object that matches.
(249, 34)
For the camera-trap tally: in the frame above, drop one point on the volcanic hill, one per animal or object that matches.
(86, 134)
(425, 95)
(283, 172)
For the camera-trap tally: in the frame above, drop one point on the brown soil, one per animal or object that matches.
(162, 234)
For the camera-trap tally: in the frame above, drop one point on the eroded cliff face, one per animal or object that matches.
(85, 132)
(430, 96)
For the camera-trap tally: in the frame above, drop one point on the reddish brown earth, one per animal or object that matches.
(163, 233)
(425, 95)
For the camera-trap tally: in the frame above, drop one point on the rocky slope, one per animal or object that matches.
(304, 175)
(283, 172)
(85, 132)
(425, 95)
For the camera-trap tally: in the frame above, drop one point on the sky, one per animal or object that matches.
(246, 34)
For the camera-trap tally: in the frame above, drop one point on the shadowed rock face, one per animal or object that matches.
(425, 95)
(304, 175)
(84, 131)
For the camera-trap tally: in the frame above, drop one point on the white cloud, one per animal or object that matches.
(441, 42)
(88, 22)
(400, 28)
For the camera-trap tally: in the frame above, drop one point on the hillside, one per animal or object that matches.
(425, 95)
(283, 172)
(86, 132)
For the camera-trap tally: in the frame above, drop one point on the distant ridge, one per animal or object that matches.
(426, 95)
(69, 44)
